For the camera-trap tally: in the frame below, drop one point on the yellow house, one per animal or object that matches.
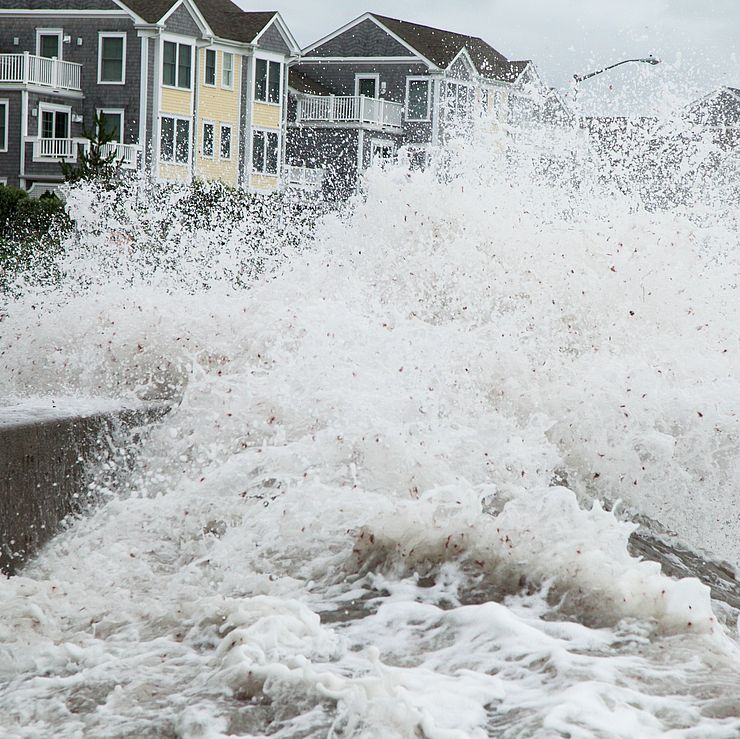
(214, 88)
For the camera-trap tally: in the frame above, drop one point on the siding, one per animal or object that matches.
(10, 160)
(177, 172)
(272, 40)
(218, 105)
(182, 22)
(264, 182)
(175, 101)
(265, 115)
(364, 39)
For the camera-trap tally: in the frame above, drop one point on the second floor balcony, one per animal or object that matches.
(349, 109)
(28, 69)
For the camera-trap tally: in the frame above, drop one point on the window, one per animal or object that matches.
(208, 140)
(417, 99)
(3, 125)
(367, 85)
(459, 100)
(227, 70)
(174, 140)
(267, 81)
(112, 58)
(381, 151)
(112, 122)
(265, 152)
(54, 123)
(49, 42)
(225, 141)
(210, 76)
(176, 65)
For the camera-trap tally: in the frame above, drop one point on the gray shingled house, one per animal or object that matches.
(379, 83)
(719, 113)
(190, 87)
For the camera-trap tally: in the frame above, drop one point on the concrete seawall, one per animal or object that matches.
(45, 457)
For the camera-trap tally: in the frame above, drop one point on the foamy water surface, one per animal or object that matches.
(375, 509)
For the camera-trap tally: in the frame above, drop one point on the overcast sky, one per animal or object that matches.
(697, 41)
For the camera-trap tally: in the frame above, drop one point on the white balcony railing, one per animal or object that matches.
(303, 178)
(57, 149)
(27, 69)
(349, 109)
(127, 154)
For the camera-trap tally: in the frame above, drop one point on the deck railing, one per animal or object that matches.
(349, 109)
(65, 149)
(28, 69)
(127, 154)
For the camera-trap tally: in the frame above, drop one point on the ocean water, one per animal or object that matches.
(392, 496)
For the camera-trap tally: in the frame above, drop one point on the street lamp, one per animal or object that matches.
(648, 60)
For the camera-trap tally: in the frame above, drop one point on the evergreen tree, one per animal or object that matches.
(94, 163)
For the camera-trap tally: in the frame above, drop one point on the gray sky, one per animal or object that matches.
(698, 41)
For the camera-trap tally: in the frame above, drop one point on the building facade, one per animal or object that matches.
(190, 88)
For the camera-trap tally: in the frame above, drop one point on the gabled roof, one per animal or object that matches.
(225, 19)
(441, 47)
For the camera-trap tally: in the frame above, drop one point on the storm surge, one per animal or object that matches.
(394, 492)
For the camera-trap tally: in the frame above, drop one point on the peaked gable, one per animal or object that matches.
(366, 38)
(182, 21)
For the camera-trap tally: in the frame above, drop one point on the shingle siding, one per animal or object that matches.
(182, 22)
(272, 40)
(364, 39)
(10, 161)
(64, 5)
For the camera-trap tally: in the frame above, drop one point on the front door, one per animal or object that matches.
(367, 85)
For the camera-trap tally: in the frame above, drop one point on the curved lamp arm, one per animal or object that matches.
(648, 60)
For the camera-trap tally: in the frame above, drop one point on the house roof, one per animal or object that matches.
(225, 19)
(441, 47)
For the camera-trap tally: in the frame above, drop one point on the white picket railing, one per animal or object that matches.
(28, 69)
(127, 154)
(65, 149)
(349, 109)
(304, 178)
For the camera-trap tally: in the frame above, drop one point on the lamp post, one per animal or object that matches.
(647, 60)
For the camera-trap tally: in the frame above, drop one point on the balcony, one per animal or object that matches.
(349, 109)
(126, 154)
(50, 150)
(27, 69)
(303, 178)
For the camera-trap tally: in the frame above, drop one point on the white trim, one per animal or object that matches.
(361, 60)
(359, 76)
(175, 118)
(215, 67)
(266, 131)
(465, 56)
(288, 37)
(221, 127)
(195, 13)
(114, 111)
(223, 69)
(207, 122)
(356, 22)
(6, 103)
(269, 60)
(143, 97)
(3, 180)
(57, 13)
(178, 43)
(111, 34)
(54, 108)
(50, 32)
(418, 78)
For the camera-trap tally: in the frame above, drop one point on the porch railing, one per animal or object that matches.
(303, 178)
(127, 154)
(349, 109)
(28, 69)
(64, 149)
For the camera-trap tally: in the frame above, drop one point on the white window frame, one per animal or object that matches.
(367, 76)
(267, 59)
(231, 141)
(3, 180)
(205, 67)
(111, 34)
(4, 145)
(264, 172)
(212, 124)
(114, 111)
(54, 108)
(50, 32)
(418, 78)
(223, 70)
(178, 44)
(173, 162)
